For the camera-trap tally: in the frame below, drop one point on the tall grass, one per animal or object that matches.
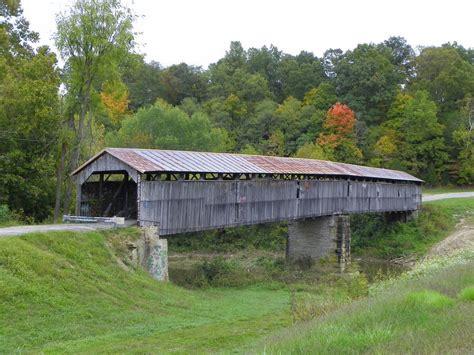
(420, 315)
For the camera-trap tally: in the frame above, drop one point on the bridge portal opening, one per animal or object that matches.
(108, 194)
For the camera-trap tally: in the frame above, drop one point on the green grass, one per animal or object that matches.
(467, 294)
(454, 206)
(10, 223)
(65, 292)
(446, 189)
(421, 315)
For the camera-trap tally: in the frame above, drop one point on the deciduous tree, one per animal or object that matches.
(163, 126)
(337, 138)
(92, 37)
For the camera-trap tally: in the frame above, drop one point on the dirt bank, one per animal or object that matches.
(462, 238)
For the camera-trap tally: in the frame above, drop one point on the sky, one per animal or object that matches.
(199, 32)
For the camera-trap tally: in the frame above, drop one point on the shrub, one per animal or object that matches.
(375, 235)
(216, 268)
(5, 214)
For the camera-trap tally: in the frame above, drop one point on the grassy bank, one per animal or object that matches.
(373, 235)
(66, 292)
(428, 311)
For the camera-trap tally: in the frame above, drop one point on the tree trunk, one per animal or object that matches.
(59, 180)
(76, 154)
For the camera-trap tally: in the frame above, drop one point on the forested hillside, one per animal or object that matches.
(381, 104)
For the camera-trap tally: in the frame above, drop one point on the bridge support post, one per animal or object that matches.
(322, 237)
(151, 253)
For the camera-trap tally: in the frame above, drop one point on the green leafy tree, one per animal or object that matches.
(415, 131)
(266, 61)
(464, 143)
(445, 75)
(183, 81)
(93, 36)
(143, 81)
(401, 55)
(299, 74)
(163, 126)
(225, 81)
(368, 81)
(312, 151)
(16, 38)
(260, 124)
(29, 117)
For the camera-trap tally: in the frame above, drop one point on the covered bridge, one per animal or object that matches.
(191, 191)
(184, 191)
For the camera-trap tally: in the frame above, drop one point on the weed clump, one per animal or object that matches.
(467, 294)
(428, 299)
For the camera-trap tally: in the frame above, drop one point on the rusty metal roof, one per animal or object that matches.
(152, 160)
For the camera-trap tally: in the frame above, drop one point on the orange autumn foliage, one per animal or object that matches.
(338, 126)
(116, 104)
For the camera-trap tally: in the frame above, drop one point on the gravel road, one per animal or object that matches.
(18, 230)
(436, 197)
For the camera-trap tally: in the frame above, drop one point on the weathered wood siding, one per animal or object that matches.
(105, 163)
(185, 206)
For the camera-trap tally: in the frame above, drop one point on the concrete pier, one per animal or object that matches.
(151, 253)
(322, 237)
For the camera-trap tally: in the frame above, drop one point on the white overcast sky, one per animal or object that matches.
(199, 31)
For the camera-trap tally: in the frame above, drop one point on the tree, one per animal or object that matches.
(311, 151)
(464, 141)
(226, 81)
(401, 55)
(414, 129)
(163, 126)
(92, 37)
(183, 81)
(114, 97)
(16, 38)
(259, 125)
(143, 81)
(445, 75)
(368, 81)
(337, 138)
(288, 121)
(299, 74)
(266, 61)
(330, 60)
(29, 117)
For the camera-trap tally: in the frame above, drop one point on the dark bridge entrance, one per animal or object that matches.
(108, 194)
(190, 191)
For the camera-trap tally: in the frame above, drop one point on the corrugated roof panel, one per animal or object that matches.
(152, 160)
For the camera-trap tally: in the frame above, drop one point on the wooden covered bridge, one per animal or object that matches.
(193, 191)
